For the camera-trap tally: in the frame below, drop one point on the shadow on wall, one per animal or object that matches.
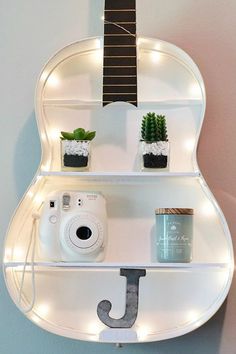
(27, 155)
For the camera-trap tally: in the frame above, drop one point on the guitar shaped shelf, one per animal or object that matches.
(171, 298)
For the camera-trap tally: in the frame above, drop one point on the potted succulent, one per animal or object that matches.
(75, 149)
(154, 141)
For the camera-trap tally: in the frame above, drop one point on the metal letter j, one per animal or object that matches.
(132, 297)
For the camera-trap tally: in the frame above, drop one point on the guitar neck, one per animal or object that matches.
(120, 53)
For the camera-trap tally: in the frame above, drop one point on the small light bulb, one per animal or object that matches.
(195, 90)
(189, 144)
(43, 309)
(142, 332)
(43, 136)
(54, 134)
(53, 80)
(192, 316)
(155, 56)
(208, 209)
(98, 43)
(158, 46)
(138, 41)
(35, 318)
(95, 327)
(38, 199)
(29, 194)
(38, 178)
(44, 76)
(103, 18)
(45, 167)
(18, 253)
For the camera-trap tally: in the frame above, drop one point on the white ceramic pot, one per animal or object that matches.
(75, 154)
(155, 154)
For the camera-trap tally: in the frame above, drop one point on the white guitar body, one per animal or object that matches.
(173, 298)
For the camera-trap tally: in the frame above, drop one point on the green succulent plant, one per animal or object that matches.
(153, 128)
(78, 134)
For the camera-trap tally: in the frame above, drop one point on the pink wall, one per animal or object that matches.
(206, 30)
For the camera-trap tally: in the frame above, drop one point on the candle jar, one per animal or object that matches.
(174, 234)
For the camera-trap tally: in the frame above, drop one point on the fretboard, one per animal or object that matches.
(120, 56)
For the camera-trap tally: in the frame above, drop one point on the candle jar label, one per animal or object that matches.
(174, 238)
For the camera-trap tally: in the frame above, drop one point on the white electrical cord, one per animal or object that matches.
(121, 27)
(32, 242)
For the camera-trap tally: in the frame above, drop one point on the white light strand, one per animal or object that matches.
(32, 241)
(116, 24)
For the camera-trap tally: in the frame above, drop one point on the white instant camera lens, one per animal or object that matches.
(84, 234)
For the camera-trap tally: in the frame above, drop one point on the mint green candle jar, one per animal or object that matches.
(174, 234)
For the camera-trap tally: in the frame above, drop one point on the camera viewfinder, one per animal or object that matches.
(66, 201)
(52, 204)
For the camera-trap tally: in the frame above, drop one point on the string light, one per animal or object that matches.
(117, 25)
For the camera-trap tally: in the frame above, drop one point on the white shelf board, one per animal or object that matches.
(106, 265)
(78, 103)
(119, 174)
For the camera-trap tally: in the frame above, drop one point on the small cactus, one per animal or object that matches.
(161, 122)
(149, 130)
(154, 128)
